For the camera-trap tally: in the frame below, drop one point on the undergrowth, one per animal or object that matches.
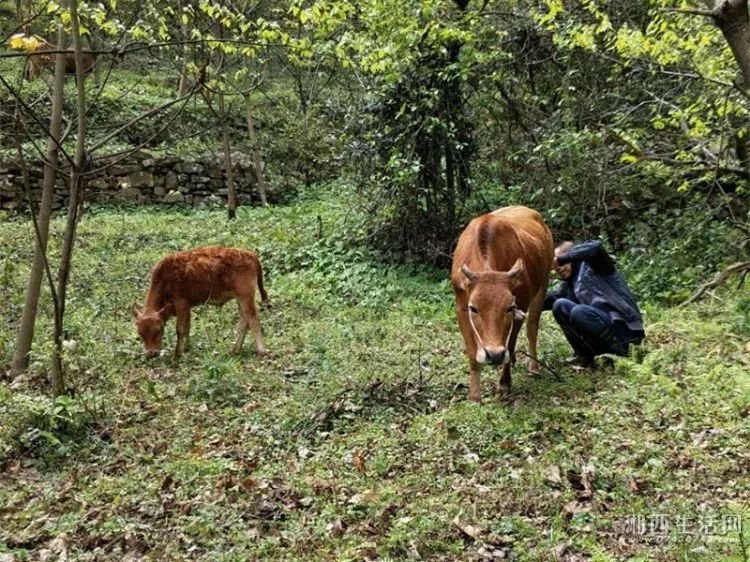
(354, 438)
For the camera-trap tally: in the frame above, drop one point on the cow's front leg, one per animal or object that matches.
(503, 388)
(532, 329)
(183, 329)
(475, 389)
(470, 346)
(505, 378)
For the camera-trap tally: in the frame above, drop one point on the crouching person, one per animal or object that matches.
(593, 305)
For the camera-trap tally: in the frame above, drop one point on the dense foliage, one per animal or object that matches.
(593, 112)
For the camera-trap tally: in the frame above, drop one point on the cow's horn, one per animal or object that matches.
(470, 275)
(516, 269)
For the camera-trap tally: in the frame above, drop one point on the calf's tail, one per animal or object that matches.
(261, 288)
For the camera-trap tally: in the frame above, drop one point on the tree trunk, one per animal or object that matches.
(94, 45)
(184, 85)
(28, 318)
(255, 149)
(231, 191)
(742, 148)
(57, 379)
(733, 19)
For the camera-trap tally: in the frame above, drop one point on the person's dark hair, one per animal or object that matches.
(563, 247)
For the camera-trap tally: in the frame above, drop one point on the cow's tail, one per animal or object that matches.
(261, 288)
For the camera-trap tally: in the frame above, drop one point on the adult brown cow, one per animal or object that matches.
(500, 271)
(40, 60)
(210, 274)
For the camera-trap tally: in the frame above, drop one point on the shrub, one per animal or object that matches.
(40, 425)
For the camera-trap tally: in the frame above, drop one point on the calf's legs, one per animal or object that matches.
(249, 319)
(183, 329)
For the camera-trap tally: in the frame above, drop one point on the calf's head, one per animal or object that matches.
(150, 324)
(492, 310)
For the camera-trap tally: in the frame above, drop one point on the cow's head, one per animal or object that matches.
(492, 310)
(150, 324)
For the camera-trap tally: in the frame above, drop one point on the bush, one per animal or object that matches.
(40, 425)
(670, 252)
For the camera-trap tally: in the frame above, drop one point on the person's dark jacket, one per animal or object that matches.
(596, 282)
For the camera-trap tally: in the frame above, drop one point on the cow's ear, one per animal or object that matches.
(470, 275)
(137, 310)
(517, 268)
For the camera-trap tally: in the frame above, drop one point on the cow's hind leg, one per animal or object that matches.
(532, 328)
(249, 319)
(241, 331)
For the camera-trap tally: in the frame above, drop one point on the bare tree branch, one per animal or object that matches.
(137, 119)
(34, 116)
(721, 277)
(689, 11)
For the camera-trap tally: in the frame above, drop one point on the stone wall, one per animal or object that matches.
(141, 179)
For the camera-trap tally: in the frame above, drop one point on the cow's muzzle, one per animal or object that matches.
(497, 356)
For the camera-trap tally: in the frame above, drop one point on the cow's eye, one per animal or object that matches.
(473, 309)
(511, 308)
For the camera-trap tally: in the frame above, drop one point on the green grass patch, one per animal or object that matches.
(354, 439)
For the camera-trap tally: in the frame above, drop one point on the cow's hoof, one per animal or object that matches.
(261, 352)
(475, 398)
(503, 390)
(534, 373)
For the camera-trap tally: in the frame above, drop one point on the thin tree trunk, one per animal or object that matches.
(231, 191)
(25, 334)
(184, 85)
(57, 373)
(255, 149)
(94, 45)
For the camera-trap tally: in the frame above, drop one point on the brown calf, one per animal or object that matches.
(211, 274)
(500, 269)
(39, 61)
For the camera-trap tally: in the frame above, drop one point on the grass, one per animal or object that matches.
(354, 439)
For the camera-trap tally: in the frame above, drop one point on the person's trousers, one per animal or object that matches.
(589, 331)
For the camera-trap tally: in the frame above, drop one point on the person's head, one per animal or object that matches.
(563, 271)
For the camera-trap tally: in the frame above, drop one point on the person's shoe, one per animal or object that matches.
(580, 362)
(621, 349)
(607, 361)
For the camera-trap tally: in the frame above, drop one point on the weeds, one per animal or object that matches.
(354, 439)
